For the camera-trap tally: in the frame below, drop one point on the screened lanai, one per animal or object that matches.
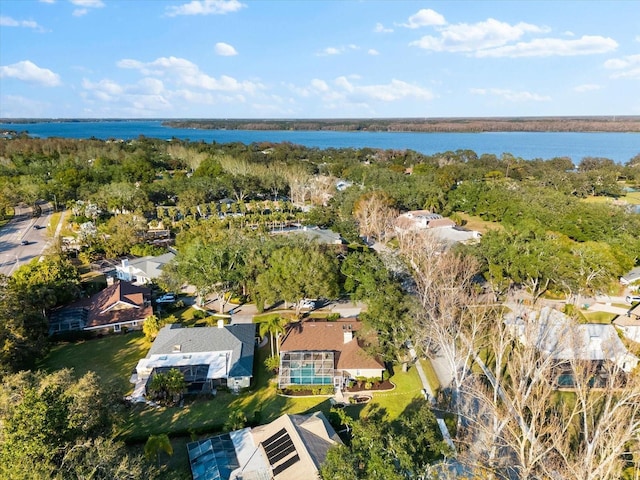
(306, 368)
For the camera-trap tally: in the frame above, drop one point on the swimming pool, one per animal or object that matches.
(304, 375)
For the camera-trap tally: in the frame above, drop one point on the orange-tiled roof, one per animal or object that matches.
(329, 336)
(118, 303)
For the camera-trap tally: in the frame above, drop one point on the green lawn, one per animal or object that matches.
(598, 317)
(431, 375)
(113, 358)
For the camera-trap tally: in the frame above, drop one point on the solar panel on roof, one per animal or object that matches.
(283, 466)
(278, 447)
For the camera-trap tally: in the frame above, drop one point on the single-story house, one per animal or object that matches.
(121, 305)
(629, 323)
(556, 335)
(143, 270)
(442, 228)
(325, 353)
(631, 277)
(209, 357)
(292, 447)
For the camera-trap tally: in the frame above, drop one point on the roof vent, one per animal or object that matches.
(177, 348)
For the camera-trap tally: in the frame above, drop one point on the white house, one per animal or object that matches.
(207, 356)
(143, 270)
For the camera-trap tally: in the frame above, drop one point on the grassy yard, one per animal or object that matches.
(598, 317)
(472, 222)
(430, 373)
(113, 358)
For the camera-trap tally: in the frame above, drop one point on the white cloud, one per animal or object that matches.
(329, 51)
(347, 90)
(424, 18)
(380, 28)
(465, 37)
(336, 50)
(10, 22)
(16, 106)
(31, 73)
(225, 50)
(373, 51)
(625, 67)
(547, 47)
(511, 95)
(185, 73)
(85, 5)
(205, 7)
(587, 87)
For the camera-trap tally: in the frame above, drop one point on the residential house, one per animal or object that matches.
(143, 270)
(631, 278)
(442, 228)
(119, 306)
(209, 357)
(556, 335)
(325, 353)
(292, 447)
(629, 323)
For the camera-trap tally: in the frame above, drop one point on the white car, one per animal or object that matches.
(305, 304)
(632, 298)
(167, 298)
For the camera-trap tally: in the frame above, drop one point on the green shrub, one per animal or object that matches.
(333, 317)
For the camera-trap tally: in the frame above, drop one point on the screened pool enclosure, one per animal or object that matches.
(307, 368)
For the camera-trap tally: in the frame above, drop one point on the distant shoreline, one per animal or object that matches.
(625, 123)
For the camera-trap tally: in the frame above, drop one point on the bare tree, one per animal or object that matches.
(444, 287)
(375, 214)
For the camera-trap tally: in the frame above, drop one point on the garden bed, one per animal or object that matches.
(374, 386)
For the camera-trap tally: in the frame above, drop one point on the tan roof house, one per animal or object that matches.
(292, 447)
(117, 306)
(325, 353)
(442, 228)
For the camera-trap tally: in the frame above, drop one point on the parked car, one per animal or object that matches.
(24, 242)
(307, 304)
(38, 227)
(167, 298)
(632, 298)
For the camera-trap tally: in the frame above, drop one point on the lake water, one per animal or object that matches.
(619, 147)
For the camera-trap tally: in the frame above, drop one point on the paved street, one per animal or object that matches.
(23, 228)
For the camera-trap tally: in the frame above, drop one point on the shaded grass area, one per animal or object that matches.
(431, 375)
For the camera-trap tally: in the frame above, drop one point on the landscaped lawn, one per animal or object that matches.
(113, 358)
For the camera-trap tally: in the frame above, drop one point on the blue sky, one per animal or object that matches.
(317, 59)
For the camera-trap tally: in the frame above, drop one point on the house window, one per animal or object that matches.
(116, 328)
(134, 324)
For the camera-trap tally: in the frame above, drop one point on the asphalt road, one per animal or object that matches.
(23, 228)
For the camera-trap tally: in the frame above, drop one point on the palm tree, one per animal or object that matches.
(274, 325)
(157, 443)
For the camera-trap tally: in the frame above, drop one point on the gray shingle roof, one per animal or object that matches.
(239, 339)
